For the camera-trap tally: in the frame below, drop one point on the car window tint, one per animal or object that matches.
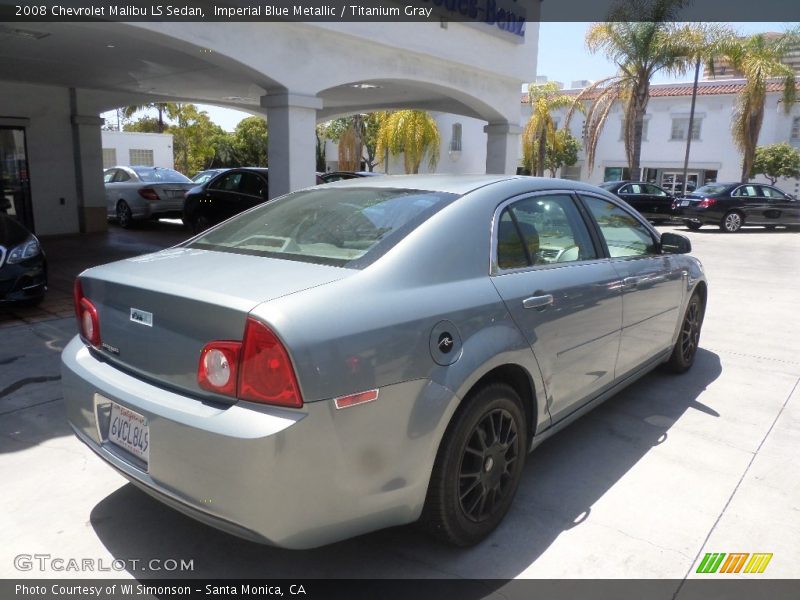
(654, 191)
(252, 185)
(623, 233)
(712, 189)
(228, 183)
(109, 176)
(121, 176)
(160, 175)
(626, 189)
(332, 226)
(542, 230)
(772, 193)
(748, 191)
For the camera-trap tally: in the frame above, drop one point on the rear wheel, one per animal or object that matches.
(478, 467)
(731, 222)
(124, 215)
(693, 226)
(685, 349)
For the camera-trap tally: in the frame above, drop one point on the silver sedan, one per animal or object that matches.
(373, 352)
(134, 193)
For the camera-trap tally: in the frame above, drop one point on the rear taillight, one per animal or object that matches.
(707, 203)
(257, 369)
(219, 362)
(148, 194)
(86, 314)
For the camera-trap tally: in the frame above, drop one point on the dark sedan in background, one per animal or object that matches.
(23, 268)
(651, 201)
(227, 194)
(732, 206)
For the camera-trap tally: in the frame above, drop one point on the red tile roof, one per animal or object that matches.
(705, 88)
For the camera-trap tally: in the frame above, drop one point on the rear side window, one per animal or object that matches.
(623, 233)
(159, 175)
(343, 227)
(542, 230)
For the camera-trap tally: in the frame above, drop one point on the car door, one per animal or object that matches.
(747, 198)
(780, 209)
(652, 283)
(561, 293)
(252, 190)
(221, 199)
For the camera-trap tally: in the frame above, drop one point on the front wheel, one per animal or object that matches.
(731, 222)
(124, 215)
(478, 467)
(685, 349)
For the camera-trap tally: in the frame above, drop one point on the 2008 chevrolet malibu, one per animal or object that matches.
(373, 352)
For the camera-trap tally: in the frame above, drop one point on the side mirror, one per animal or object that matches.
(673, 243)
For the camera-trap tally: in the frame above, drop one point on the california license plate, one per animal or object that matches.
(130, 431)
(684, 203)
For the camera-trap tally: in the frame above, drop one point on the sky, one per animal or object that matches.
(562, 57)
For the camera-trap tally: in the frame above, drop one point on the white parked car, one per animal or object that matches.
(144, 193)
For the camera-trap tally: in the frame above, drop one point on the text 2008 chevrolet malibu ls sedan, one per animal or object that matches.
(372, 352)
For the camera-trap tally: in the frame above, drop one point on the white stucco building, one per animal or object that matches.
(129, 148)
(713, 155)
(57, 79)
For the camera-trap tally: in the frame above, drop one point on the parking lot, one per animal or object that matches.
(642, 487)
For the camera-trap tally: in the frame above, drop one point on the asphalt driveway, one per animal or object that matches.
(642, 487)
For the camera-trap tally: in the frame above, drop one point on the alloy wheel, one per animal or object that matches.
(486, 470)
(690, 331)
(733, 222)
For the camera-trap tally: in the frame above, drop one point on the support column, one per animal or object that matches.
(502, 148)
(87, 151)
(291, 144)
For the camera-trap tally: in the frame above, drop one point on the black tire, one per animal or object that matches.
(124, 215)
(693, 226)
(731, 222)
(685, 349)
(200, 222)
(478, 467)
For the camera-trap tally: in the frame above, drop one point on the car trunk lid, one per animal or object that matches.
(156, 312)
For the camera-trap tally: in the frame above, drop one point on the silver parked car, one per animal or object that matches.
(144, 193)
(373, 352)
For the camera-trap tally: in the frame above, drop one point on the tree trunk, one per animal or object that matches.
(542, 152)
(691, 126)
(641, 96)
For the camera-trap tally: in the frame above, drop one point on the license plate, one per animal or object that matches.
(130, 431)
(684, 203)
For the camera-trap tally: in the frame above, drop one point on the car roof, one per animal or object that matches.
(459, 184)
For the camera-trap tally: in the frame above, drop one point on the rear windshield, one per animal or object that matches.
(712, 188)
(608, 186)
(345, 227)
(159, 175)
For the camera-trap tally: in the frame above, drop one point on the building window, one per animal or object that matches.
(795, 136)
(455, 139)
(143, 158)
(681, 125)
(644, 130)
(109, 157)
(573, 172)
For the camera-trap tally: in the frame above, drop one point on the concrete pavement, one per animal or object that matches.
(642, 487)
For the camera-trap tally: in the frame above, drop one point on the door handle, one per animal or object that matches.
(630, 283)
(538, 301)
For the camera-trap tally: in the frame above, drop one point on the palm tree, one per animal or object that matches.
(640, 49)
(412, 132)
(160, 107)
(541, 129)
(758, 58)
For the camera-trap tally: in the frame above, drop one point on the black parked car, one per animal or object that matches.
(227, 194)
(734, 205)
(23, 267)
(652, 202)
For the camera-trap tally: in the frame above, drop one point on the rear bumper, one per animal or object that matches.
(291, 478)
(153, 208)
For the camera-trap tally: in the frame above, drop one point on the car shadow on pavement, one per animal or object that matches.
(564, 478)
